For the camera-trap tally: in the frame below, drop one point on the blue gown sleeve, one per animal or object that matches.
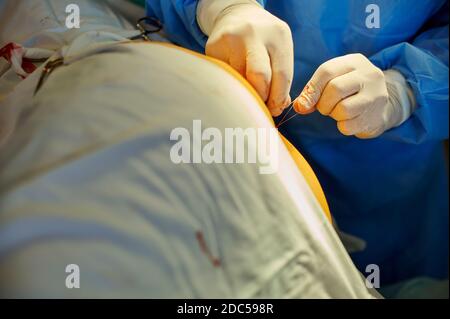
(424, 63)
(179, 18)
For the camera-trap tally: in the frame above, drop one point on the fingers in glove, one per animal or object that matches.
(337, 90)
(312, 92)
(258, 69)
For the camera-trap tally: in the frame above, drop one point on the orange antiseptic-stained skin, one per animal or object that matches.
(299, 160)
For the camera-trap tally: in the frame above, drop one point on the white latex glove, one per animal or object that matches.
(364, 100)
(255, 43)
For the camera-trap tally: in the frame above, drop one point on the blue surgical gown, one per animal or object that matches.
(392, 191)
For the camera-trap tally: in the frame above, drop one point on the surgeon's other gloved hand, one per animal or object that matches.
(364, 100)
(255, 43)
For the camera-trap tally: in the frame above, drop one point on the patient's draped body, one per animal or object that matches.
(87, 179)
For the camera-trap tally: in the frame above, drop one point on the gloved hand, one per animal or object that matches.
(364, 100)
(255, 43)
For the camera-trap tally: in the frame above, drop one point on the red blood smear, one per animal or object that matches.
(201, 241)
(6, 52)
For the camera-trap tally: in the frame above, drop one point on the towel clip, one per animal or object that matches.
(154, 27)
